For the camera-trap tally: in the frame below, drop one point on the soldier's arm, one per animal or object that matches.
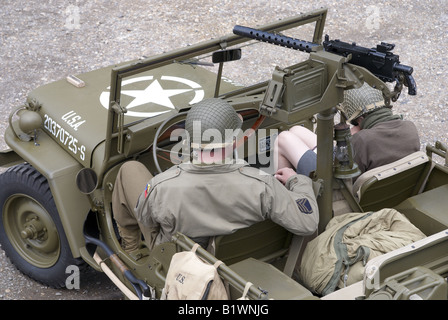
(294, 207)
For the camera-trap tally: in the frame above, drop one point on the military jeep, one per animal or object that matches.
(69, 139)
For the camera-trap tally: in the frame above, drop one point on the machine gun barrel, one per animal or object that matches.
(273, 38)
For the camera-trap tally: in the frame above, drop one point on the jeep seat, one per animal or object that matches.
(264, 241)
(267, 277)
(389, 185)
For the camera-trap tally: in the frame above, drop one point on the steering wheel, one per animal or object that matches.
(155, 147)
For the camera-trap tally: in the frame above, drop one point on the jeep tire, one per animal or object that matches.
(31, 233)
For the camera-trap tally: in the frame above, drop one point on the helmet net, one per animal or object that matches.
(208, 120)
(360, 101)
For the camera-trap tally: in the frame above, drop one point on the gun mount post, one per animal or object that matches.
(324, 170)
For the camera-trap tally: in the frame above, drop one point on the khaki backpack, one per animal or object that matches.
(190, 278)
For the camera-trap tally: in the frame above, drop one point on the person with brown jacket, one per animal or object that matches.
(379, 137)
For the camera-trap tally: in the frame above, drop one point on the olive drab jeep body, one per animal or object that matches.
(69, 139)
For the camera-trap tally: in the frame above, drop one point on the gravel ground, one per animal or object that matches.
(43, 41)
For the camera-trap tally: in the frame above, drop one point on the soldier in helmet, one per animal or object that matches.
(379, 136)
(209, 195)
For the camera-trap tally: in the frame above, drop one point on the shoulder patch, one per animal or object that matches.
(304, 205)
(148, 186)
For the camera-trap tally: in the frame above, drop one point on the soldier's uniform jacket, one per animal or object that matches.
(211, 200)
(384, 143)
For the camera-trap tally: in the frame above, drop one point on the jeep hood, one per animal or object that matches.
(76, 117)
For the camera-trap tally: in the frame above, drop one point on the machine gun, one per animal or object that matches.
(381, 62)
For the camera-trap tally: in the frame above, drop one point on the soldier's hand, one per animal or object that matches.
(283, 174)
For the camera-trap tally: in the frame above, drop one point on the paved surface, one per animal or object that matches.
(45, 41)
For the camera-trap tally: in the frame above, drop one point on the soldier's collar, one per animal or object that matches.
(213, 168)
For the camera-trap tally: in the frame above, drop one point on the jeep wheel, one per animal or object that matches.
(31, 232)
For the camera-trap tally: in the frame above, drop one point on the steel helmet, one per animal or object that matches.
(207, 121)
(360, 101)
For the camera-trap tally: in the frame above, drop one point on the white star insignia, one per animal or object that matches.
(154, 93)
